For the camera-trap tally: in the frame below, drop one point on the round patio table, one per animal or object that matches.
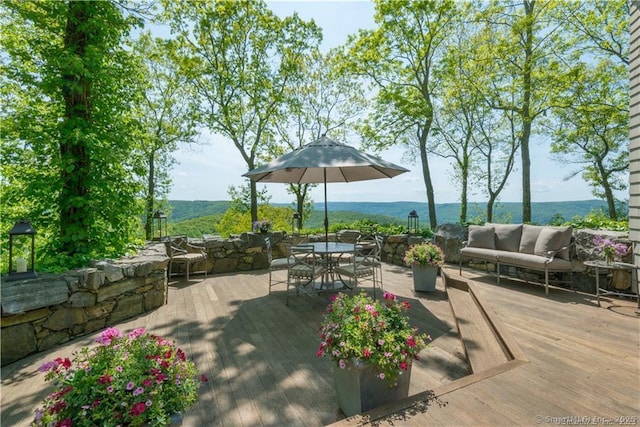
(327, 250)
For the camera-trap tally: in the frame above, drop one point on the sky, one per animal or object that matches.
(205, 172)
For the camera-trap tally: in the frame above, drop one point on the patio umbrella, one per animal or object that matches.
(321, 161)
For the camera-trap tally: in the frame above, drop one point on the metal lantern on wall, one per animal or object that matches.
(295, 223)
(160, 224)
(413, 222)
(22, 239)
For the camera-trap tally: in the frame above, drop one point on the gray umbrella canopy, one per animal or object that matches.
(321, 161)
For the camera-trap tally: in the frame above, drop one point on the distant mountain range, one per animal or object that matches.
(541, 212)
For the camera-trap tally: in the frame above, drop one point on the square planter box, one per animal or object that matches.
(358, 389)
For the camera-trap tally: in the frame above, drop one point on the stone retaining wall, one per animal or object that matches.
(41, 313)
(38, 314)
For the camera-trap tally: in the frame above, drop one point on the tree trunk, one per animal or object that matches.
(426, 175)
(464, 191)
(151, 190)
(254, 201)
(75, 170)
(526, 114)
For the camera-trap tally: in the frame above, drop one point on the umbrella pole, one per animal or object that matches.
(326, 216)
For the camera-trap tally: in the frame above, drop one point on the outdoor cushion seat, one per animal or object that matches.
(181, 252)
(304, 266)
(360, 268)
(542, 248)
(276, 263)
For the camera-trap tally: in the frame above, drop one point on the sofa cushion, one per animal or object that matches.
(567, 233)
(479, 253)
(529, 237)
(507, 236)
(481, 237)
(534, 262)
(552, 239)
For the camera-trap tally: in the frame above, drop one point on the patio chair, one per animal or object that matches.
(276, 264)
(373, 243)
(361, 268)
(303, 269)
(181, 252)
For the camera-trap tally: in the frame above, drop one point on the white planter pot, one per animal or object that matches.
(424, 278)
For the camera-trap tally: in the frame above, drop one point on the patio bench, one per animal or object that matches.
(524, 246)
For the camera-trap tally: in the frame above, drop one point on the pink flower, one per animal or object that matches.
(138, 391)
(138, 408)
(404, 366)
(47, 366)
(130, 385)
(136, 333)
(108, 335)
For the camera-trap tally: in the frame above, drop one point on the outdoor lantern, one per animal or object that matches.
(160, 222)
(295, 223)
(19, 237)
(413, 223)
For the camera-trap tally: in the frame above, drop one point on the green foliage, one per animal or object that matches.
(197, 227)
(596, 220)
(68, 132)
(236, 222)
(424, 254)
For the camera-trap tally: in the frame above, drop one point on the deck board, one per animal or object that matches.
(260, 356)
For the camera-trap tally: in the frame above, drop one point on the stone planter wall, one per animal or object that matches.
(40, 313)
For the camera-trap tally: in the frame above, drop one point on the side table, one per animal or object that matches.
(615, 266)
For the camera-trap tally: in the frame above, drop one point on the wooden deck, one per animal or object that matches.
(259, 356)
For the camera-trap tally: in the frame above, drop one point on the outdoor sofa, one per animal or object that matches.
(529, 247)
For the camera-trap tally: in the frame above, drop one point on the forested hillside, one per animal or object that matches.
(390, 212)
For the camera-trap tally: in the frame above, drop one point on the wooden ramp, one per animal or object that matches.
(486, 343)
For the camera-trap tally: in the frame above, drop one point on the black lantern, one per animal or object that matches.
(295, 223)
(159, 224)
(413, 223)
(19, 237)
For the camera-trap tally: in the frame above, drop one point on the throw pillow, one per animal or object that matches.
(529, 237)
(507, 236)
(481, 237)
(549, 239)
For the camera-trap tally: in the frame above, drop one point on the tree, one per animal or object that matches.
(166, 116)
(592, 124)
(323, 101)
(71, 87)
(398, 57)
(593, 130)
(522, 45)
(241, 60)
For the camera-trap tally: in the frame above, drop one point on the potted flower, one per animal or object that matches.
(610, 249)
(130, 380)
(373, 346)
(262, 226)
(424, 259)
